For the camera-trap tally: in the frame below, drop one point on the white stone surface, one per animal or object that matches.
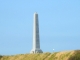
(36, 41)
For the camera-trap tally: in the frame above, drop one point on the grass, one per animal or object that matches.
(69, 55)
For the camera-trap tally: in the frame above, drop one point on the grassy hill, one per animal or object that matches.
(66, 55)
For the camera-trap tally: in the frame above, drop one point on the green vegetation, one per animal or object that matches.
(75, 56)
(66, 55)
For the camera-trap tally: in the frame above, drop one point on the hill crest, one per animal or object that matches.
(64, 55)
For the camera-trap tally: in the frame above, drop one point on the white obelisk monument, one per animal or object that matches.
(36, 40)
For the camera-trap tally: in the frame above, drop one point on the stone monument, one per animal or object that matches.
(36, 40)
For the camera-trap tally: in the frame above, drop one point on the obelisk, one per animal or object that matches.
(36, 40)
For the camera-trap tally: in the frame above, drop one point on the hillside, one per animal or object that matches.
(66, 55)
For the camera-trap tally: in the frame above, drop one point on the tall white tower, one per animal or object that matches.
(36, 41)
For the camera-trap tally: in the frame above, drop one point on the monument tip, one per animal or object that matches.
(35, 13)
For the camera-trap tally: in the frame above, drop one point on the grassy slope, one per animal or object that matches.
(66, 55)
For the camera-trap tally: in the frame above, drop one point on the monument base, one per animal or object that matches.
(36, 51)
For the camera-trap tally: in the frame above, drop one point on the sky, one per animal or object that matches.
(59, 25)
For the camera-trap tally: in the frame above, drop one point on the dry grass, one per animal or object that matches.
(66, 55)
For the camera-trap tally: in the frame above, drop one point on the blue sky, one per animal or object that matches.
(59, 23)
